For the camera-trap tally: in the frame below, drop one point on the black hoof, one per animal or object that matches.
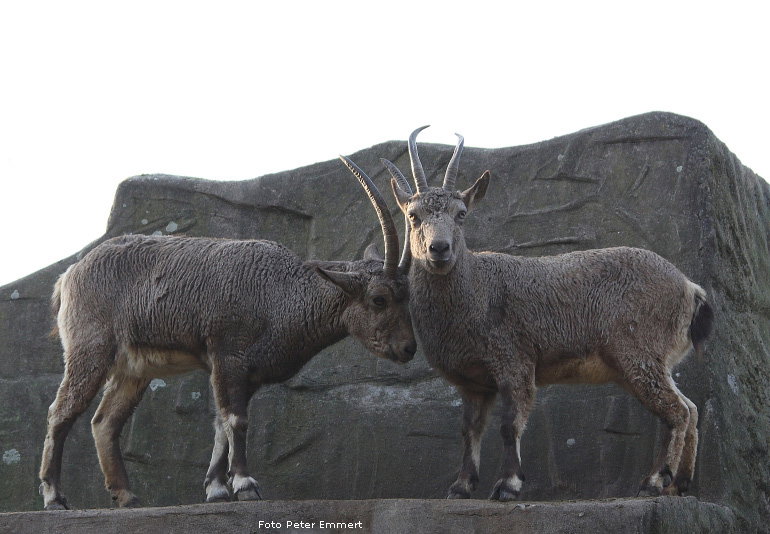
(648, 491)
(58, 504)
(133, 502)
(662, 486)
(681, 484)
(460, 490)
(221, 495)
(503, 492)
(506, 496)
(249, 493)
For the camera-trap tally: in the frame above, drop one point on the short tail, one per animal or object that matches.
(55, 306)
(702, 321)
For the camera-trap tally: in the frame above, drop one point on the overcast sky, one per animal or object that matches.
(95, 92)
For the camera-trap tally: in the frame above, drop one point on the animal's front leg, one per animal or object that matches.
(232, 393)
(475, 411)
(216, 477)
(517, 399)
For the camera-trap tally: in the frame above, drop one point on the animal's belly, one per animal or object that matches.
(155, 363)
(575, 370)
(471, 375)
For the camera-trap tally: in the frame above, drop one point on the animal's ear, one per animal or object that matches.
(349, 283)
(372, 253)
(477, 191)
(402, 197)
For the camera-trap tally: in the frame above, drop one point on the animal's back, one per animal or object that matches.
(174, 291)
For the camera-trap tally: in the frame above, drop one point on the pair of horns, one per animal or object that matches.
(450, 177)
(386, 221)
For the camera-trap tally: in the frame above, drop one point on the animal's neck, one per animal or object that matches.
(300, 336)
(430, 290)
(323, 322)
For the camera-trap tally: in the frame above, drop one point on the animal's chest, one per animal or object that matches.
(456, 347)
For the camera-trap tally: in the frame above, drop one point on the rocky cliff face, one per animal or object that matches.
(351, 426)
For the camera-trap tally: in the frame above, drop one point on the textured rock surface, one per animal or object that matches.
(354, 427)
(392, 516)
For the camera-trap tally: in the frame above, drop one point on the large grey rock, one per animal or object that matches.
(351, 426)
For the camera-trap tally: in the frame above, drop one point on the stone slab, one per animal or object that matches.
(391, 516)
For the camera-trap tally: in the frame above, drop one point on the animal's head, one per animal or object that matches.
(377, 289)
(435, 214)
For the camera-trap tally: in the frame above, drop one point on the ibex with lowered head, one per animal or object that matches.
(247, 312)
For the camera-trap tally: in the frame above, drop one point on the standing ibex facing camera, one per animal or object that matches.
(495, 323)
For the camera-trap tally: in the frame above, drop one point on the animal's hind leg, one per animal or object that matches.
(121, 396)
(686, 470)
(215, 484)
(475, 411)
(657, 392)
(84, 374)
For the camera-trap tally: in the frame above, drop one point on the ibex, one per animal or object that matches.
(494, 323)
(247, 312)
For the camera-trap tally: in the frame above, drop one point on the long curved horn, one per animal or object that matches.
(454, 165)
(403, 183)
(398, 175)
(417, 170)
(386, 220)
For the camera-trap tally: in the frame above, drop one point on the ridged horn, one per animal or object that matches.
(403, 183)
(454, 165)
(383, 214)
(417, 171)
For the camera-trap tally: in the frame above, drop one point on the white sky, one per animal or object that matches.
(94, 92)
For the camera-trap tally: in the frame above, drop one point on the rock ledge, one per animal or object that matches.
(659, 515)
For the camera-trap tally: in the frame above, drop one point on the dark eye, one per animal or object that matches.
(414, 218)
(379, 302)
(462, 214)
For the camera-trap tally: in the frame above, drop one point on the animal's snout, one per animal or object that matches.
(408, 350)
(439, 250)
